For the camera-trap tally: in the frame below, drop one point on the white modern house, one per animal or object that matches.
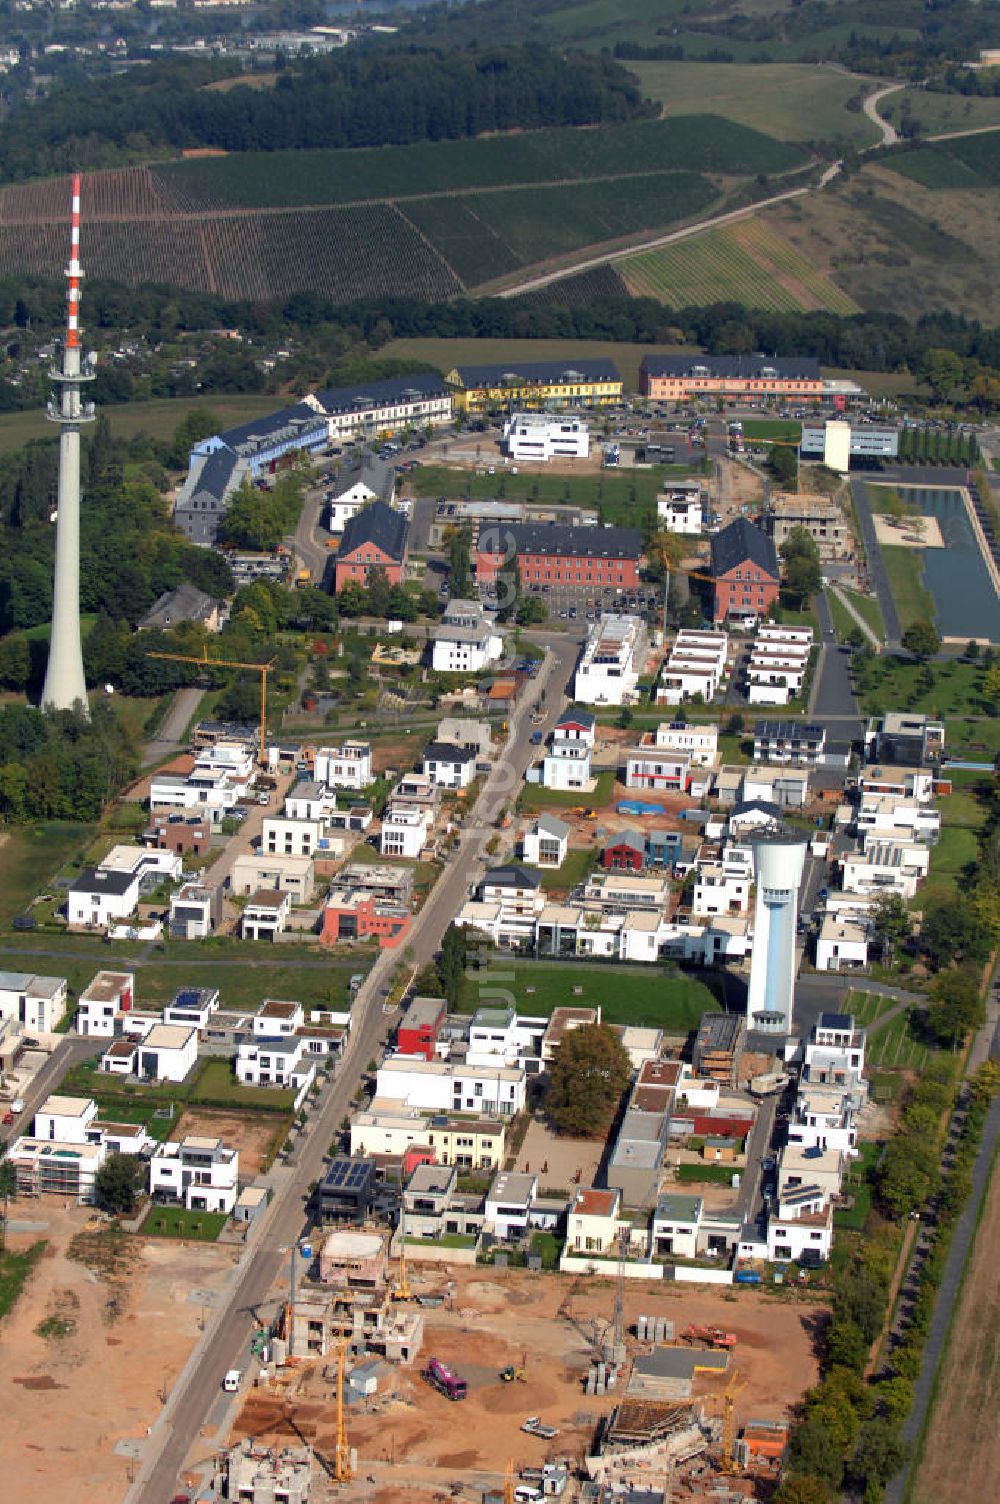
(546, 436)
(448, 766)
(897, 782)
(885, 867)
(286, 836)
(835, 1053)
(612, 660)
(681, 508)
(696, 665)
(310, 800)
(253, 871)
(566, 764)
(841, 945)
(104, 1004)
(37, 1003)
(880, 817)
(823, 1118)
(163, 1052)
(345, 767)
(405, 829)
(440, 1086)
(466, 641)
(779, 663)
(545, 842)
(700, 742)
(723, 881)
(649, 767)
(200, 1174)
(97, 898)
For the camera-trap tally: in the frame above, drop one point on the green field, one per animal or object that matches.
(175, 1222)
(795, 102)
(211, 1083)
(31, 855)
(952, 860)
(694, 143)
(868, 609)
(621, 496)
(748, 262)
(867, 1007)
(968, 162)
(534, 797)
(625, 994)
(939, 112)
(905, 570)
(158, 417)
(772, 428)
(953, 690)
(575, 869)
(899, 1045)
(15, 1269)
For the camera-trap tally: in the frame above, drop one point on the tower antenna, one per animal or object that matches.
(65, 686)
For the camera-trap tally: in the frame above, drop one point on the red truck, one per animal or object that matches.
(449, 1383)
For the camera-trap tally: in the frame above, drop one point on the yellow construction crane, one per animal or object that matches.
(509, 1483)
(401, 1287)
(204, 661)
(729, 1464)
(343, 1471)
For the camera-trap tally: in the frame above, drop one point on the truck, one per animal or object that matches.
(711, 1336)
(444, 1379)
(534, 1427)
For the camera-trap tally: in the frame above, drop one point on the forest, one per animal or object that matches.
(373, 95)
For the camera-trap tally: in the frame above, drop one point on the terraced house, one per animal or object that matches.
(535, 384)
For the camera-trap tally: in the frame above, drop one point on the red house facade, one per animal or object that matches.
(745, 570)
(375, 538)
(553, 554)
(419, 1029)
(357, 916)
(626, 853)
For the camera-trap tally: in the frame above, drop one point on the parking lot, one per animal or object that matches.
(585, 604)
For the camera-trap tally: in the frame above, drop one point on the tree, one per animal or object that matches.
(943, 372)
(452, 963)
(991, 686)
(952, 931)
(803, 574)
(890, 922)
(921, 640)
(459, 545)
(812, 1451)
(589, 1071)
(956, 1007)
(784, 466)
(856, 639)
(801, 1488)
(879, 1454)
(116, 1183)
(378, 591)
(530, 611)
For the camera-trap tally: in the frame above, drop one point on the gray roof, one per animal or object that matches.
(448, 752)
(420, 386)
(733, 366)
(548, 825)
(512, 876)
(790, 731)
(773, 811)
(186, 603)
(97, 880)
(256, 431)
(630, 838)
(740, 543)
(379, 525)
(575, 542)
(538, 372)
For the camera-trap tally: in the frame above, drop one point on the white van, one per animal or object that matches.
(524, 1493)
(231, 1382)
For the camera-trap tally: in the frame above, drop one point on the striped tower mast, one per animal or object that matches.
(64, 682)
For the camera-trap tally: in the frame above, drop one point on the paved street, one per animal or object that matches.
(69, 1052)
(224, 1342)
(832, 701)
(170, 738)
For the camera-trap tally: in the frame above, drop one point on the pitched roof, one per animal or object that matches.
(420, 386)
(512, 876)
(742, 542)
(804, 367)
(257, 430)
(548, 825)
(186, 603)
(630, 838)
(448, 752)
(575, 542)
(575, 717)
(538, 372)
(379, 525)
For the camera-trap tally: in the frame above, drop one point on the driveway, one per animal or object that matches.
(171, 735)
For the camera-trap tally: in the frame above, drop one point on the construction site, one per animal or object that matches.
(507, 1385)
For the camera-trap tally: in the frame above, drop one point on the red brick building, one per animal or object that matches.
(179, 833)
(554, 554)
(375, 538)
(421, 1024)
(745, 570)
(350, 915)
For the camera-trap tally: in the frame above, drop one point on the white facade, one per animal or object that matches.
(438, 1086)
(310, 801)
(200, 1174)
(191, 913)
(508, 1203)
(900, 783)
(464, 650)
(840, 945)
(346, 767)
(789, 1238)
(778, 663)
(649, 767)
(592, 1221)
(37, 1003)
(295, 875)
(880, 817)
(542, 437)
(696, 665)
(701, 743)
(778, 867)
(566, 765)
(211, 794)
(264, 1061)
(164, 1052)
(449, 767)
(348, 504)
(405, 830)
(104, 1003)
(285, 836)
(365, 414)
(823, 1118)
(722, 886)
(98, 898)
(66, 1119)
(809, 1175)
(681, 509)
(612, 660)
(545, 842)
(885, 867)
(835, 1054)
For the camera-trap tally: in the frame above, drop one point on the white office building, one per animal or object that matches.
(681, 508)
(700, 742)
(543, 437)
(439, 1086)
(612, 660)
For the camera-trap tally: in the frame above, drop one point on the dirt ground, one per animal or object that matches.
(502, 1317)
(962, 1447)
(70, 1399)
(911, 532)
(251, 1136)
(559, 1163)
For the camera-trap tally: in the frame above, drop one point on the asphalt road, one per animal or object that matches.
(833, 695)
(170, 737)
(224, 1343)
(69, 1052)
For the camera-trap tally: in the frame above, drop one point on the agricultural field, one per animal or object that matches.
(793, 101)
(967, 162)
(961, 1445)
(748, 262)
(898, 1045)
(422, 221)
(158, 417)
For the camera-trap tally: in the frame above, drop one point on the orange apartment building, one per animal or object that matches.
(735, 378)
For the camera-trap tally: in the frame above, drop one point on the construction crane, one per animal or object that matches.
(727, 1460)
(204, 661)
(509, 1483)
(401, 1288)
(343, 1470)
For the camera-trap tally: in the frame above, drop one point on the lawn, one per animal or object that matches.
(955, 852)
(772, 428)
(175, 1222)
(32, 854)
(642, 995)
(714, 1174)
(899, 1045)
(966, 807)
(620, 496)
(211, 1083)
(533, 796)
(14, 1271)
(574, 870)
(857, 1184)
(158, 417)
(940, 112)
(792, 101)
(244, 982)
(949, 690)
(868, 608)
(867, 1007)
